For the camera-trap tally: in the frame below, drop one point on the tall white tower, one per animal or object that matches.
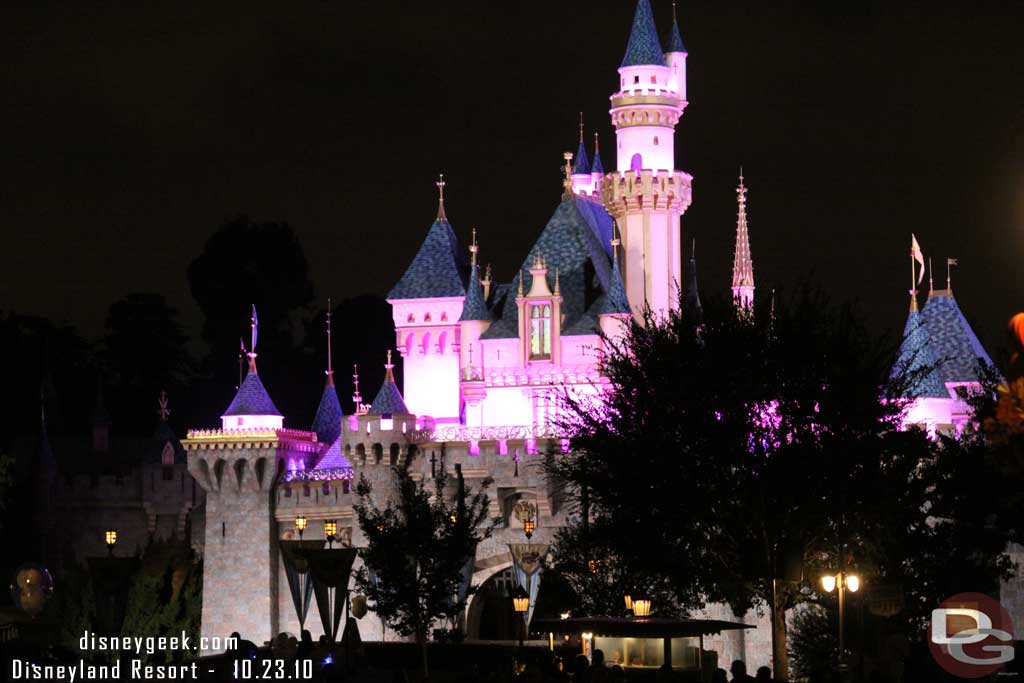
(742, 263)
(646, 195)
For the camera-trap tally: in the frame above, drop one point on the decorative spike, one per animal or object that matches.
(473, 249)
(743, 265)
(255, 334)
(522, 276)
(567, 182)
(163, 411)
(357, 398)
(330, 364)
(440, 198)
(949, 277)
(558, 288)
(581, 128)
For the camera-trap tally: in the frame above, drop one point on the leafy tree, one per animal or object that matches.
(242, 264)
(144, 352)
(417, 545)
(812, 644)
(727, 451)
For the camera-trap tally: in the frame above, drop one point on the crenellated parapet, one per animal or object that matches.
(239, 460)
(648, 189)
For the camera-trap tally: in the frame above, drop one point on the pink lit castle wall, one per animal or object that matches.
(483, 363)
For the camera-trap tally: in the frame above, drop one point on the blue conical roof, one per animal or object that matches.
(582, 163)
(916, 360)
(644, 46)
(327, 423)
(953, 343)
(438, 269)
(597, 166)
(675, 39)
(252, 399)
(475, 307)
(615, 300)
(333, 457)
(389, 399)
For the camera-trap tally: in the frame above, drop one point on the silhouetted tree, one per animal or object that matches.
(144, 352)
(730, 456)
(418, 543)
(242, 264)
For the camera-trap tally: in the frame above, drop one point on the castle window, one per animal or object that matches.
(655, 140)
(167, 455)
(654, 79)
(636, 79)
(540, 331)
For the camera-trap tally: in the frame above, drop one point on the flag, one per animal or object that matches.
(915, 252)
(951, 262)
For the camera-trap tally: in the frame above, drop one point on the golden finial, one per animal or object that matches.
(440, 198)
(567, 183)
(357, 398)
(558, 288)
(597, 143)
(330, 365)
(164, 410)
(522, 277)
(487, 273)
(615, 234)
(581, 128)
(473, 249)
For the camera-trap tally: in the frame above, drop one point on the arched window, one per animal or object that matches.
(636, 163)
(540, 331)
(441, 339)
(655, 140)
(425, 348)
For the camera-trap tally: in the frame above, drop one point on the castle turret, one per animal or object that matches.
(675, 57)
(615, 310)
(582, 179)
(597, 166)
(647, 195)
(474, 321)
(426, 305)
(327, 423)
(742, 264)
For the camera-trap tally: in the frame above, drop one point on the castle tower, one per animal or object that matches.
(473, 322)
(582, 178)
(647, 195)
(327, 423)
(426, 305)
(742, 264)
(238, 466)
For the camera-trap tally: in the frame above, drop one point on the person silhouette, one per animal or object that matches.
(764, 675)
(739, 672)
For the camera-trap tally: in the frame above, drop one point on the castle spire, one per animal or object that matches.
(691, 299)
(582, 165)
(357, 397)
(643, 47)
(675, 39)
(473, 249)
(597, 166)
(255, 324)
(743, 265)
(949, 276)
(330, 365)
(440, 199)
(389, 399)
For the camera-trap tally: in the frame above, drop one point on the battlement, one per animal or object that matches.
(216, 439)
(661, 189)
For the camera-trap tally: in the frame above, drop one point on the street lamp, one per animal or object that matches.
(110, 537)
(330, 531)
(843, 582)
(300, 524)
(521, 604)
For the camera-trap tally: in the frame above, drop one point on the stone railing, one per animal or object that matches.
(498, 433)
(324, 474)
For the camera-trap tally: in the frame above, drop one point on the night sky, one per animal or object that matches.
(131, 131)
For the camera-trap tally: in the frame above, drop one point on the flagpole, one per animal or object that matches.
(913, 280)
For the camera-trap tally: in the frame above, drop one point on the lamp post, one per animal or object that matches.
(521, 604)
(110, 538)
(300, 524)
(843, 581)
(330, 531)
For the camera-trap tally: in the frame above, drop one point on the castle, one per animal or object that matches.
(483, 362)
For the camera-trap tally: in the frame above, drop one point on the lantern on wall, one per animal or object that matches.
(330, 531)
(641, 607)
(300, 524)
(110, 538)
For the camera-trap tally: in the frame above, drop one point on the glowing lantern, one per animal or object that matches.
(300, 524)
(828, 582)
(641, 607)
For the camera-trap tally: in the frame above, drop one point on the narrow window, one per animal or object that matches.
(655, 140)
(540, 331)
(654, 79)
(636, 79)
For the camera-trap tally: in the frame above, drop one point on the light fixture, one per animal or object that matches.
(629, 603)
(110, 538)
(300, 524)
(594, 566)
(529, 526)
(453, 518)
(520, 600)
(828, 582)
(853, 583)
(641, 607)
(564, 615)
(330, 531)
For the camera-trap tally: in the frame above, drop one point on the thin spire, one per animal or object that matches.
(743, 264)
(163, 404)
(931, 271)
(440, 198)
(389, 375)
(597, 166)
(558, 287)
(357, 398)
(581, 128)
(330, 364)
(675, 39)
(949, 278)
(473, 249)
(582, 165)
(255, 323)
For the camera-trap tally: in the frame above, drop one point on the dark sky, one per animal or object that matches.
(131, 131)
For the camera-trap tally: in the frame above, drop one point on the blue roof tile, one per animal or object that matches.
(389, 399)
(327, 423)
(252, 399)
(581, 164)
(916, 360)
(439, 268)
(597, 166)
(644, 46)
(953, 343)
(333, 457)
(570, 245)
(475, 307)
(615, 300)
(675, 39)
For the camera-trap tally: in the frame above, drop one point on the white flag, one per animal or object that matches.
(915, 251)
